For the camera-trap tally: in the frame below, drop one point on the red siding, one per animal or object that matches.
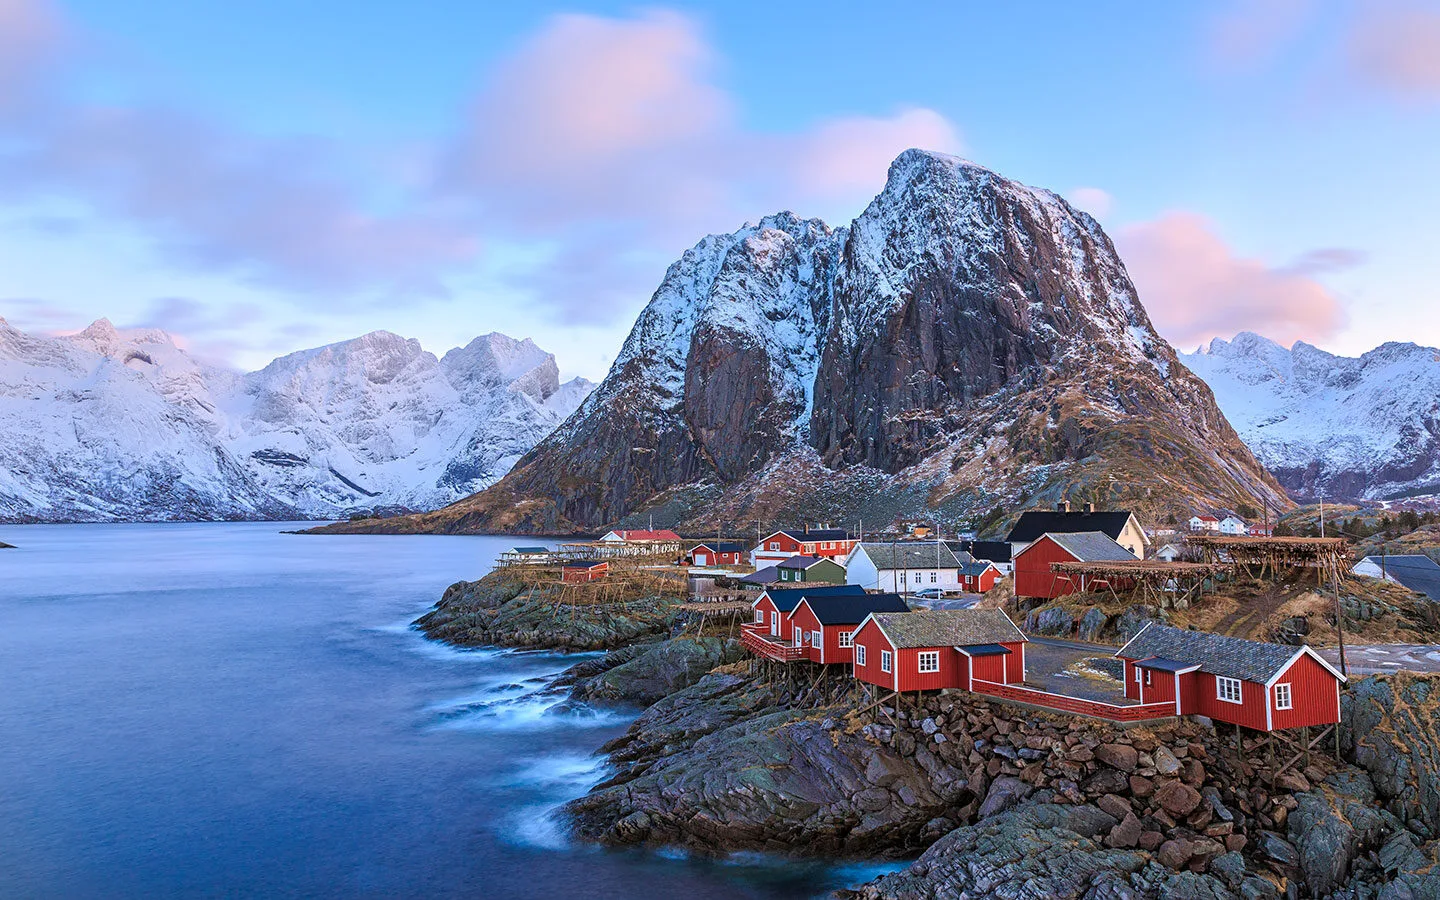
(951, 674)
(873, 640)
(584, 574)
(1033, 577)
(1250, 712)
(1002, 668)
(771, 616)
(1314, 695)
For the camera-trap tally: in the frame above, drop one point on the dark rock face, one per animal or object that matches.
(965, 322)
(650, 672)
(504, 612)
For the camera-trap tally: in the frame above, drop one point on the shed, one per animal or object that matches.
(935, 649)
(1267, 687)
(810, 568)
(826, 625)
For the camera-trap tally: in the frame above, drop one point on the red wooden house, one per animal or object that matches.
(979, 576)
(717, 553)
(583, 571)
(827, 543)
(771, 634)
(826, 625)
(1267, 687)
(934, 649)
(1034, 577)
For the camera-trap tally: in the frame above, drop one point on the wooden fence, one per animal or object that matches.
(1075, 705)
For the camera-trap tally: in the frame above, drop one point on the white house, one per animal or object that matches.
(1167, 553)
(1204, 523)
(1234, 525)
(904, 568)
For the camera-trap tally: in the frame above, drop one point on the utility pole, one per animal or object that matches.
(1322, 517)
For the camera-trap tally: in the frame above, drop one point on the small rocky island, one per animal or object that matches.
(988, 799)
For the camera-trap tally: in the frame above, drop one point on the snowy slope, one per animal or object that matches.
(1336, 426)
(120, 425)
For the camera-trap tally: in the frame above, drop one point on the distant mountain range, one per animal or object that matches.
(1365, 428)
(968, 342)
(124, 425)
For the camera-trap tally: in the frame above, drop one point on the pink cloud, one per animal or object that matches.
(1252, 30)
(1093, 200)
(852, 154)
(1196, 288)
(1398, 48)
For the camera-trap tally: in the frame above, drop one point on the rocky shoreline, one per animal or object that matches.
(989, 799)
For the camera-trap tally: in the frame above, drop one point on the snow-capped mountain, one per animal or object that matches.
(967, 341)
(1332, 426)
(125, 425)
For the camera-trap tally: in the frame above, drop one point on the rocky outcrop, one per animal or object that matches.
(1392, 731)
(502, 611)
(646, 673)
(967, 341)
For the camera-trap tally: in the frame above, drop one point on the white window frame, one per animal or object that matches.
(927, 662)
(934, 577)
(1289, 696)
(1137, 675)
(859, 654)
(759, 617)
(887, 660)
(847, 639)
(917, 577)
(774, 545)
(816, 639)
(1223, 687)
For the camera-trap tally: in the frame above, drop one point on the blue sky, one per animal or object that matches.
(263, 176)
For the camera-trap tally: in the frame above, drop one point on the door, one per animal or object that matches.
(701, 559)
(799, 636)
(774, 624)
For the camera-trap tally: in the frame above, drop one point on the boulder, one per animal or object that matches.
(1177, 798)
(1118, 756)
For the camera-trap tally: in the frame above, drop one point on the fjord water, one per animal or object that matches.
(222, 709)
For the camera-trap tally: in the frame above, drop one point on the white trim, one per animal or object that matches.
(1269, 719)
(1299, 653)
(846, 639)
(1177, 694)
(920, 659)
(1222, 681)
(860, 656)
(888, 667)
(1289, 695)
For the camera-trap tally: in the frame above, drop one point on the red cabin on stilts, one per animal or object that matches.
(934, 649)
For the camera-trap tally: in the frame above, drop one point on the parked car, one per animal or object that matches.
(931, 594)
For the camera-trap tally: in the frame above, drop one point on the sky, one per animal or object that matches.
(259, 177)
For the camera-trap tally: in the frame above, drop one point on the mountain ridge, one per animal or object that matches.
(112, 424)
(966, 342)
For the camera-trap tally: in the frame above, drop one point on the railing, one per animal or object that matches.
(1075, 705)
(757, 641)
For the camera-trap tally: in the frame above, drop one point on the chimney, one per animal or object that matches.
(1089, 507)
(807, 527)
(1063, 506)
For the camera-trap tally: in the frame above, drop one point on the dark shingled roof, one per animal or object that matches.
(529, 550)
(852, 610)
(786, 599)
(948, 628)
(994, 551)
(1037, 522)
(975, 568)
(1165, 665)
(816, 534)
(1416, 572)
(767, 575)
(1091, 546)
(1214, 653)
(934, 555)
(722, 547)
(986, 649)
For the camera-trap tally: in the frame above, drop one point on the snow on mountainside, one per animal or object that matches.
(967, 342)
(124, 425)
(1333, 426)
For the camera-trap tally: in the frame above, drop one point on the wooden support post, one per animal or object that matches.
(1306, 739)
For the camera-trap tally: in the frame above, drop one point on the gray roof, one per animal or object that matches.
(976, 568)
(767, 575)
(1417, 572)
(1091, 546)
(948, 628)
(1217, 654)
(911, 556)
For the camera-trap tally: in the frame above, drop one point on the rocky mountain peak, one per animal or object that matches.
(976, 340)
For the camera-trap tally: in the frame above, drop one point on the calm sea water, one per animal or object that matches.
(224, 710)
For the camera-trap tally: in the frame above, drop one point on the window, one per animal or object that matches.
(929, 661)
(847, 639)
(917, 577)
(933, 577)
(774, 545)
(1282, 696)
(1137, 674)
(1227, 689)
(759, 617)
(815, 640)
(859, 654)
(885, 659)
(1147, 676)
